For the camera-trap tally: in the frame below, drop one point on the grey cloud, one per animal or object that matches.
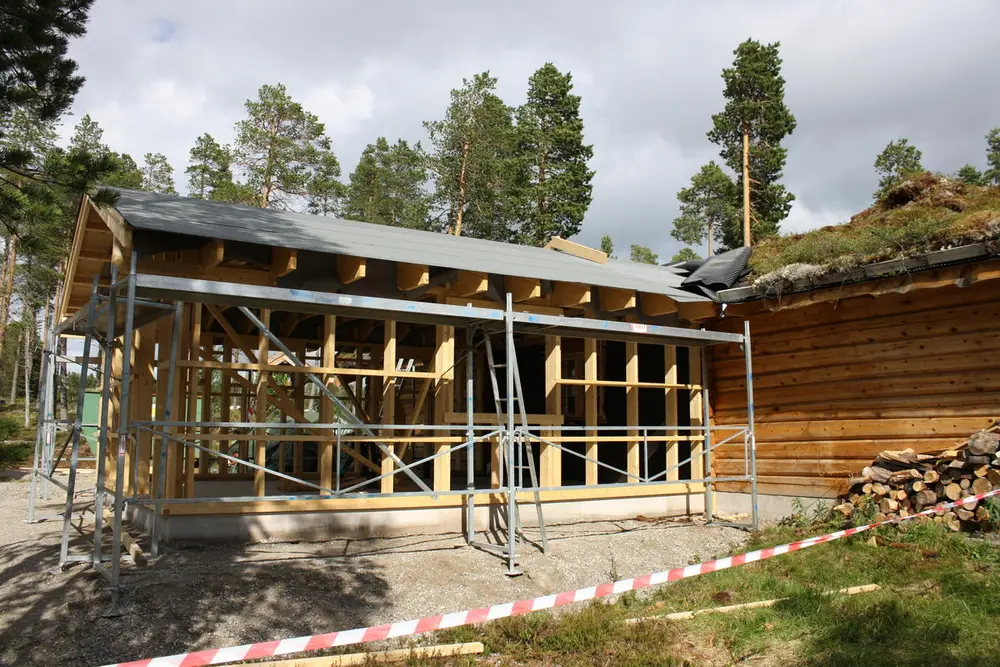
(859, 74)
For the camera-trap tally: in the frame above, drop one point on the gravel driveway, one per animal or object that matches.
(198, 596)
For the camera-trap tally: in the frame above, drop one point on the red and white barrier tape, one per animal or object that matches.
(472, 616)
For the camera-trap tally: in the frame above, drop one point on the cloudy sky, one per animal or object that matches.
(858, 75)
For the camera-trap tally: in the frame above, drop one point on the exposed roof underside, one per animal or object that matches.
(284, 229)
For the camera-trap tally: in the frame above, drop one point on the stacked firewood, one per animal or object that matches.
(901, 483)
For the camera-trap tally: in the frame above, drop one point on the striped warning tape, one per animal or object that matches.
(472, 616)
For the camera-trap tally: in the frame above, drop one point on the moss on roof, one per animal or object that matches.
(925, 213)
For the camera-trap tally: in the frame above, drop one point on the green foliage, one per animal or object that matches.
(210, 175)
(284, 153)
(13, 454)
(607, 245)
(642, 254)
(474, 163)
(157, 174)
(684, 255)
(9, 428)
(993, 156)
(126, 173)
(971, 176)
(897, 162)
(37, 74)
(709, 206)
(556, 189)
(388, 186)
(755, 106)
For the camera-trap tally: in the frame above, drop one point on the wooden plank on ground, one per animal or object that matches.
(381, 657)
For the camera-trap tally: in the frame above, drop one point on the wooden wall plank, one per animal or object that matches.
(632, 409)
(590, 407)
(550, 457)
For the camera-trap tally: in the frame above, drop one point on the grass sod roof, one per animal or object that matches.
(923, 214)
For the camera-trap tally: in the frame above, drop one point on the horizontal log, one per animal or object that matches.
(964, 318)
(911, 350)
(859, 309)
(859, 370)
(870, 428)
(806, 487)
(795, 467)
(865, 449)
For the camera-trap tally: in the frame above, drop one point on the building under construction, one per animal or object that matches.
(267, 374)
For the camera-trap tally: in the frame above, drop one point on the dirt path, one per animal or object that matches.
(198, 596)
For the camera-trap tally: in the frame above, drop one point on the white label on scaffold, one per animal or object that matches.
(638, 328)
(121, 445)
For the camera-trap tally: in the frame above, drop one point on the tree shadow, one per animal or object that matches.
(193, 597)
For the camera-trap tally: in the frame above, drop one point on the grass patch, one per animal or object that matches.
(938, 605)
(926, 213)
(13, 455)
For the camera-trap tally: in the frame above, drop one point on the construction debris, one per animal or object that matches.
(901, 483)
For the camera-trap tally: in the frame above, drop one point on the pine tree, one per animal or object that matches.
(685, 254)
(88, 137)
(157, 174)
(750, 129)
(325, 193)
(209, 169)
(388, 186)
(969, 175)
(708, 208)
(897, 162)
(557, 191)
(281, 148)
(473, 163)
(993, 156)
(642, 254)
(126, 173)
(36, 73)
(607, 245)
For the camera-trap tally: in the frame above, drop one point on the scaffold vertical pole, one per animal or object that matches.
(81, 394)
(509, 442)
(470, 454)
(102, 440)
(161, 477)
(747, 356)
(707, 435)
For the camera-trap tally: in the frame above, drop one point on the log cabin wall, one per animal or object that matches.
(837, 381)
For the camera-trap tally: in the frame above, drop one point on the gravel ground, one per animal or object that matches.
(198, 596)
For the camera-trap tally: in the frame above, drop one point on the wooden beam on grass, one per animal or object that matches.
(614, 299)
(522, 289)
(411, 276)
(351, 269)
(212, 253)
(382, 657)
(570, 295)
(470, 283)
(654, 305)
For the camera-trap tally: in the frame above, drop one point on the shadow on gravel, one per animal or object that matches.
(192, 597)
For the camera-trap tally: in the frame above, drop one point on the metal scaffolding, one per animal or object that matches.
(112, 315)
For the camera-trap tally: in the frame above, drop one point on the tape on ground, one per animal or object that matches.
(473, 616)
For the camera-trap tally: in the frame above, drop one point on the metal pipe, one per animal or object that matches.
(706, 424)
(161, 477)
(102, 439)
(74, 461)
(470, 456)
(747, 356)
(509, 438)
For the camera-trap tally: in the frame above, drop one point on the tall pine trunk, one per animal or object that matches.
(7, 286)
(17, 367)
(461, 190)
(747, 241)
(29, 329)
